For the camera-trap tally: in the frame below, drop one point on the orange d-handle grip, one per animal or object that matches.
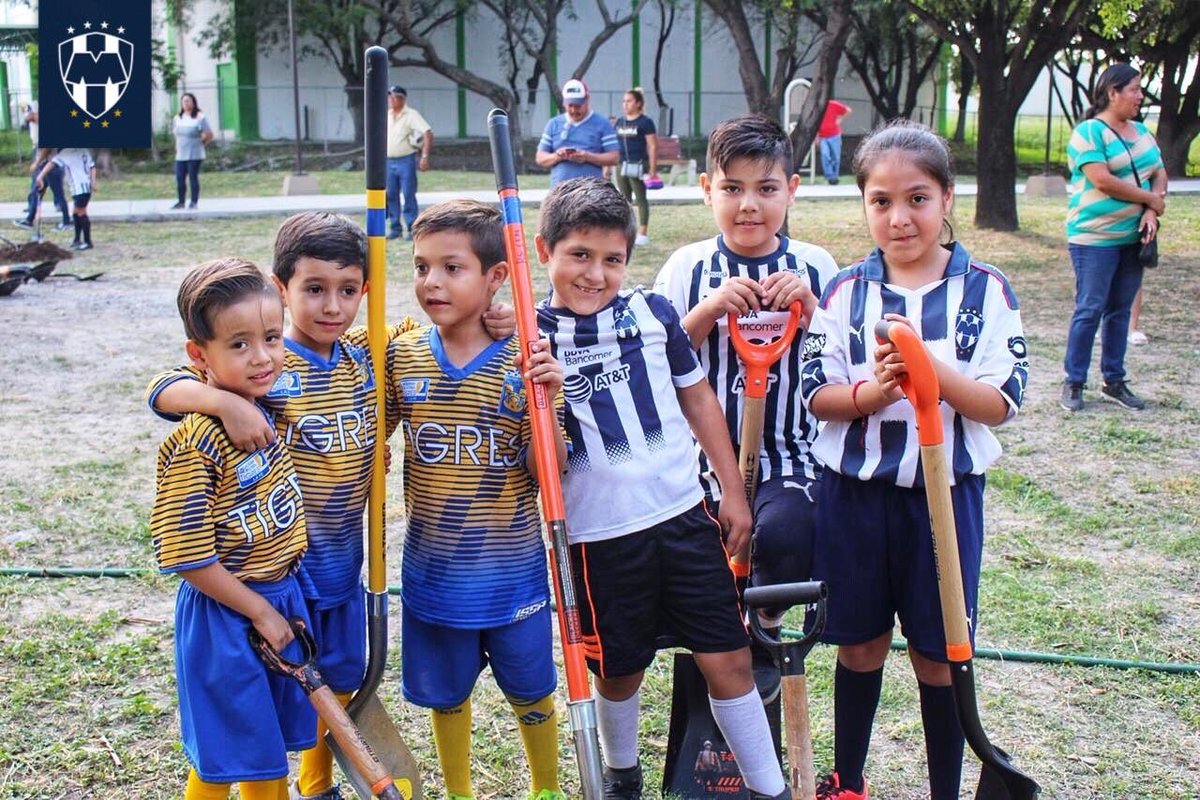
(920, 384)
(758, 358)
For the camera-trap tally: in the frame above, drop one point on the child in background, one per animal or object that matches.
(324, 408)
(79, 170)
(750, 269)
(648, 557)
(474, 567)
(873, 544)
(232, 526)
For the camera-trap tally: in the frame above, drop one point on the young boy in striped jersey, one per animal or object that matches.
(474, 567)
(324, 413)
(232, 526)
(751, 269)
(648, 556)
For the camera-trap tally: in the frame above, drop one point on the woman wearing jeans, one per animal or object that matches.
(638, 142)
(1118, 190)
(192, 132)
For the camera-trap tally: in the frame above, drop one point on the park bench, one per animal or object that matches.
(670, 155)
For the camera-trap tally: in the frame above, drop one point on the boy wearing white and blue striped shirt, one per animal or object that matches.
(752, 270)
(872, 544)
(649, 558)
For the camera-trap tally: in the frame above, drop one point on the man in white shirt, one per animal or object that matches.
(409, 142)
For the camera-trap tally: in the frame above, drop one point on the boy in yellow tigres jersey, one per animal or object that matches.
(474, 569)
(232, 526)
(325, 416)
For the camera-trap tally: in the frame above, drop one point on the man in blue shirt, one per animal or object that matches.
(578, 143)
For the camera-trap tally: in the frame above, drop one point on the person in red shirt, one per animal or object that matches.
(830, 136)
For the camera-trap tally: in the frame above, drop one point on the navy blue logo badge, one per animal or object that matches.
(415, 390)
(625, 323)
(512, 396)
(94, 74)
(288, 384)
(967, 328)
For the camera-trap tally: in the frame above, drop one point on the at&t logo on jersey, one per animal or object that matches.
(580, 388)
(252, 469)
(415, 390)
(288, 384)
(512, 396)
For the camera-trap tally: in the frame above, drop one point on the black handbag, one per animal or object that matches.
(1147, 251)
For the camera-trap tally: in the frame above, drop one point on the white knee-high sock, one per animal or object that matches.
(617, 729)
(743, 722)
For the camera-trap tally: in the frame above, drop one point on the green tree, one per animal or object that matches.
(1009, 43)
(892, 54)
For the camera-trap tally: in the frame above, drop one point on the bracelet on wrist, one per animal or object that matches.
(854, 398)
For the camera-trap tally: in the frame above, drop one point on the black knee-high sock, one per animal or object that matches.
(943, 741)
(78, 226)
(86, 223)
(855, 698)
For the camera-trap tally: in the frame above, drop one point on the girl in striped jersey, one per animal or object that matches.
(872, 542)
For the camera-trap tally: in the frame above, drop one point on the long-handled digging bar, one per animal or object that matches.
(580, 705)
(790, 654)
(365, 708)
(341, 727)
(999, 779)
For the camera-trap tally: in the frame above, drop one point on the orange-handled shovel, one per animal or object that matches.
(999, 779)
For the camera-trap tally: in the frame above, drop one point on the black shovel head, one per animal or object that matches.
(998, 779)
(699, 762)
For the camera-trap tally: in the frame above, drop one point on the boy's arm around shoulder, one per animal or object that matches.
(184, 391)
(703, 413)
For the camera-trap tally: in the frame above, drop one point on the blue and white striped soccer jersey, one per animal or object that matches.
(77, 164)
(632, 463)
(693, 273)
(968, 319)
(473, 554)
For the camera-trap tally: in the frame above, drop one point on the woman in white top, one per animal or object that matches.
(192, 132)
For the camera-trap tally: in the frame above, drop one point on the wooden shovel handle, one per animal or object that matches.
(351, 740)
(799, 737)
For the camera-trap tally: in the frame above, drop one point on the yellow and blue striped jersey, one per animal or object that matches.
(324, 412)
(217, 503)
(473, 555)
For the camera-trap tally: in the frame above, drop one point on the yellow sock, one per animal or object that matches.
(539, 732)
(276, 789)
(202, 790)
(316, 764)
(452, 735)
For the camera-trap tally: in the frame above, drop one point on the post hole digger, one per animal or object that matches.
(998, 779)
(692, 723)
(581, 707)
(365, 709)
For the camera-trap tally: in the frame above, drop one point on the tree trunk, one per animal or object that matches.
(354, 102)
(833, 42)
(1175, 140)
(965, 84)
(754, 82)
(995, 153)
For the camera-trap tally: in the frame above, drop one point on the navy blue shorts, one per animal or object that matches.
(238, 719)
(671, 580)
(781, 550)
(81, 200)
(441, 664)
(341, 635)
(874, 549)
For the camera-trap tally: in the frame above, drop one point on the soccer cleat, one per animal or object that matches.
(22, 223)
(623, 784)
(1119, 393)
(332, 793)
(1072, 397)
(830, 788)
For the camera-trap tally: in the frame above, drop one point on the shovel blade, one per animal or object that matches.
(379, 730)
(1000, 780)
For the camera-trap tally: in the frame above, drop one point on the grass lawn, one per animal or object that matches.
(1093, 545)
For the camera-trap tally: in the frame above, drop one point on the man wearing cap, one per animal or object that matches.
(409, 141)
(577, 144)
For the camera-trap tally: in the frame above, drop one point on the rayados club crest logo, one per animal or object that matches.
(96, 66)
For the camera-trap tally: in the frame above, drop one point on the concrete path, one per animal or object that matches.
(219, 207)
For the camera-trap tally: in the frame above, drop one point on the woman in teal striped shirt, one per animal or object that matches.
(1118, 191)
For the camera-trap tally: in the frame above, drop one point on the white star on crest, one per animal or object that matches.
(87, 25)
(104, 25)
(70, 29)
(121, 29)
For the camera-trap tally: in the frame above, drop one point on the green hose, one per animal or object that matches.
(982, 652)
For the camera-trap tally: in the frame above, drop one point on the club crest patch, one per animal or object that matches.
(967, 328)
(414, 390)
(288, 384)
(814, 343)
(362, 359)
(625, 323)
(95, 67)
(512, 396)
(252, 469)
